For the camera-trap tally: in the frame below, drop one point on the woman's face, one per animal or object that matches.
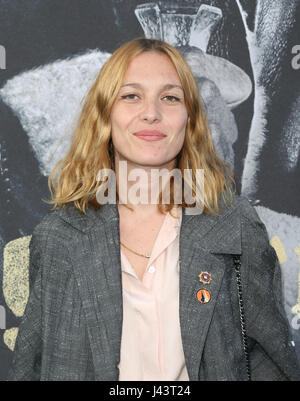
(149, 116)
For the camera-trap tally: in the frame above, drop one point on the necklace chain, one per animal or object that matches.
(139, 254)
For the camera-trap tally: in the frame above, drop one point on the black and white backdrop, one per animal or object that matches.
(245, 55)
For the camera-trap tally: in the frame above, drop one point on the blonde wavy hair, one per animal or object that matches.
(74, 177)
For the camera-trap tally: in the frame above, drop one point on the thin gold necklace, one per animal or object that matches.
(139, 254)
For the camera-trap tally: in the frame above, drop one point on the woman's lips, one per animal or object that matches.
(150, 136)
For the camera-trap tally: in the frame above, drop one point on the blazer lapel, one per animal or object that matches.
(201, 238)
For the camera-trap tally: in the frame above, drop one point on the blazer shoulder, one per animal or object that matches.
(252, 225)
(52, 225)
(247, 210)
(47, 244)
(250, 219)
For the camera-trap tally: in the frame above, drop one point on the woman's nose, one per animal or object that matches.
(151, 111)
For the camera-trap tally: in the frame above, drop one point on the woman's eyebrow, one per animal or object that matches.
(166, 86)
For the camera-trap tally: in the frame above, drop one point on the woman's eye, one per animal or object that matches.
(131, 96)
(172, 99)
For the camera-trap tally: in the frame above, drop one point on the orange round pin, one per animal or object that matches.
(203, 296)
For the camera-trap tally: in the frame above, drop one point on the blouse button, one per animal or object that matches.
(151, 269)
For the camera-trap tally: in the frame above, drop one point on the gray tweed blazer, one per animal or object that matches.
(71, 328)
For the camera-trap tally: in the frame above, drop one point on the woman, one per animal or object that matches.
(148, 291)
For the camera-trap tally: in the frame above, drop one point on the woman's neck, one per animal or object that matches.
(139, 186)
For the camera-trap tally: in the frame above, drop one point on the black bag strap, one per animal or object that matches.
(237, 266)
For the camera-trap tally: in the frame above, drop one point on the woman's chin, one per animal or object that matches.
(154, 161)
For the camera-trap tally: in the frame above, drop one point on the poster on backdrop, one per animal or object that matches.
(245, 55)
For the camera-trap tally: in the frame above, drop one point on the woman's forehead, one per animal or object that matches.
(151, 65)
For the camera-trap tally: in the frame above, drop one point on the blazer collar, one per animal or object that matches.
(203, 224)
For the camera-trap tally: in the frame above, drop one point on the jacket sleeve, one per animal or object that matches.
(26, 364)
(271, 349)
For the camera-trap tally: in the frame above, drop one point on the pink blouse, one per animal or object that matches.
(151, 345)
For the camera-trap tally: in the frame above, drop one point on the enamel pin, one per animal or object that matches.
(203, 296)
(204, 277)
